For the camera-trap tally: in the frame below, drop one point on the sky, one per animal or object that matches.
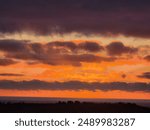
(75, 48)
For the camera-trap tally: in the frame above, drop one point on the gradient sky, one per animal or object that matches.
(75, 48)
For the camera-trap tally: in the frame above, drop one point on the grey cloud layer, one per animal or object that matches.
(74, 85)
(60, 53)
(127, 17)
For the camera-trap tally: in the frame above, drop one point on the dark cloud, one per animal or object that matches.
(12, 45)
(91, 46)
(147, 57)
(74, 85)
(53, 53)
(6, 62)
(118, 48)
(10, 74)
(145, 75)
(83, 46)
(127, 17)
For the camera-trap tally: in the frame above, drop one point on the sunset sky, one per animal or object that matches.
(75, 48)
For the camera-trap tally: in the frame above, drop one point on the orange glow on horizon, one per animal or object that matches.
(77, 94)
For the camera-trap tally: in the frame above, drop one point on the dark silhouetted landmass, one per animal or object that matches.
(72, 107)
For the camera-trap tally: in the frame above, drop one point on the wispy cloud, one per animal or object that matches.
(145, 75)
(10, 74)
